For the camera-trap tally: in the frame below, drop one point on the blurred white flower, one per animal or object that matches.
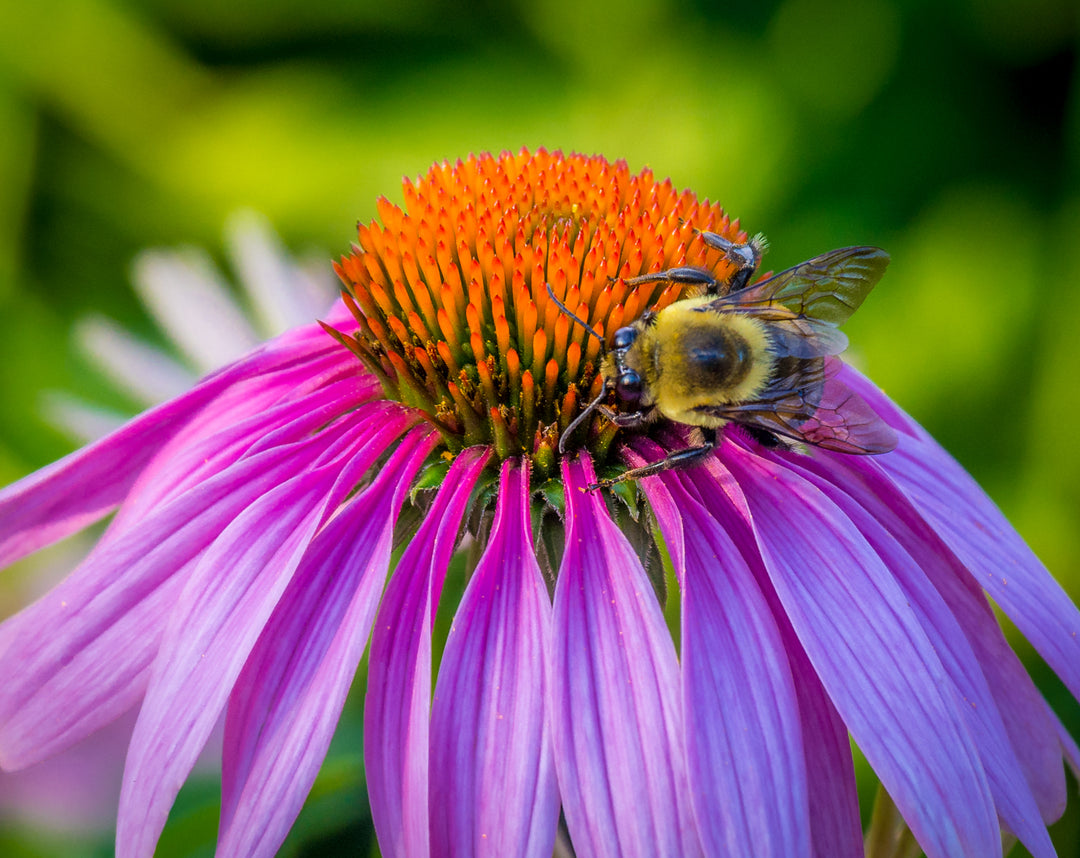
(204, 320)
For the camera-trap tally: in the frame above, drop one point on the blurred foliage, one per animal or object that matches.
(947, 133)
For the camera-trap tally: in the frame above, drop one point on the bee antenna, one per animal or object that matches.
(581, 418)
(581, 322)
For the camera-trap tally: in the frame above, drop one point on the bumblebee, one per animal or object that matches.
(759, 355)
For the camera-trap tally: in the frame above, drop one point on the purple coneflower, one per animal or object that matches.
(248, 562)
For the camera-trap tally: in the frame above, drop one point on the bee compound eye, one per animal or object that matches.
(624, 338)
(628, 387)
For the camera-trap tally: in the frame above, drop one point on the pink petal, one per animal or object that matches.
(241, 423)
(1023, 711)
(399, 674)
(289, 696)
(871, 655)
(1012, 796)
(617, 721)
(78, 657)
(743, 739)
(492, 772)
(998, 558)
(79, 489)
(221, 611)
(981, 537)
(835, 827)
(399, 679)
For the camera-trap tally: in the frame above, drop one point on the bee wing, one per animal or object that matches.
(803, 337)
(826, 289)
(808, 403)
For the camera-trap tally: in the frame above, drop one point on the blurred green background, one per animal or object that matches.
(947, 133)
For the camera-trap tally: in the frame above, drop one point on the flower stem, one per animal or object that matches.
(889, 835)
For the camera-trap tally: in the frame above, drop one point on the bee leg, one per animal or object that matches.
(679, 459)
(627, 420)
(745, 257)
(764, 437)
(689, 276)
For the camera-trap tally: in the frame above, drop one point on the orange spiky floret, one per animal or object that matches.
(451, 291)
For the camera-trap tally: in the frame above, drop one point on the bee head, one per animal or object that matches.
(628, 383)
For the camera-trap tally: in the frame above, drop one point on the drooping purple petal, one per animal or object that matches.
(396, 724)
(90, 640)
(260, 420)
(1023, 711)
(743, 741)
(1015, 803)
(220, 613)
(617, 721)
(977, 532)
(835, 827)
(289, 696)
(870, 653)
(79, 489)
(492, 769)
